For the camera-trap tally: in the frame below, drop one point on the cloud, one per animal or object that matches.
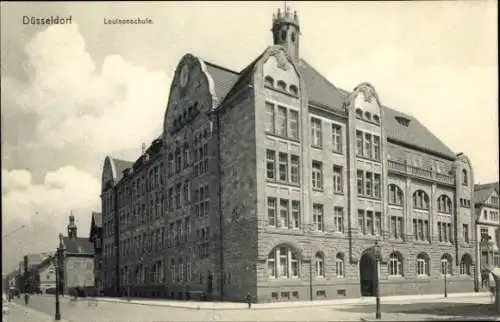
(117, 106)
(44, 208)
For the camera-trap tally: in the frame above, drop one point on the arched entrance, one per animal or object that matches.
(367, 274)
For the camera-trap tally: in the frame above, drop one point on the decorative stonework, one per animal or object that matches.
(281, 57)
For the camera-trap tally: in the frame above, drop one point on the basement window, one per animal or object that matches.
(402, 120)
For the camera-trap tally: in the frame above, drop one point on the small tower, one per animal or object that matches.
(72, 226)
(286, 31)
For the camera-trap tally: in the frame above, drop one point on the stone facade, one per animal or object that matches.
(277, 184)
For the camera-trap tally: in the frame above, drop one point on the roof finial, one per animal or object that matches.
(143, 148)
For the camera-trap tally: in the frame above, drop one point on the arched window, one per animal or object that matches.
(282, 85)
(446, 264)
(466, 265)
(465, 178)
(395, 264)
(420, 200)
(423, 262)
(444, 204)
(368, 115)
(376, 118)
(294, 90)
(320, 265)
(269, 81)
(339, 265)
(283, 263)
(395, 195)
(359, 113)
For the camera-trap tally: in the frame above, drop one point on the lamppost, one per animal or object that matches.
(378, 257)
(58, 278)
(445, 278)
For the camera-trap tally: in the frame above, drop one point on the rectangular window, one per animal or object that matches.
(317, 175)
(295, 214)
(316, 133)
(294, 169)
(294, 124)
(338, 183)
(369, 223)
(466, 233)
(281, 123)
(359, 143)
(338, 217)
(178, 196)
(427, 232)
(284, 204)
(400, 228)
(368, 146)
(269, 118)
(360, 176)
(394, 227)
(271, 211)
(376, 186)
(361, 221)
(368, 184)
(283, 166)
(450, 234)
(415, 229)
(376, 147)
(318, 219)
(421, 230)
(271, 164)
(337, 138)
(378, 223)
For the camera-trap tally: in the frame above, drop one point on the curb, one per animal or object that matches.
(298, 304)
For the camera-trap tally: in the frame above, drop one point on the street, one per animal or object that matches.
(85, 311)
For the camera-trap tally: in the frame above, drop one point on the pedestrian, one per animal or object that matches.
(249, 300)
(26, 298)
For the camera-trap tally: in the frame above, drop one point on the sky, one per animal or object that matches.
(72, 94)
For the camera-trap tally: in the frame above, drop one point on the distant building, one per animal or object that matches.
(78, 264)
(486, 203)
(46, 274)
(95, 237)
(273, 181)
(28, 279)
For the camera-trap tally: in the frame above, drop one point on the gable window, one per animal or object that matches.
(281, 123)
(293, 89)
(316, 133)
(282, 85)
(269, 81)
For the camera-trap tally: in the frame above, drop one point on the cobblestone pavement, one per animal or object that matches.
(90, 311)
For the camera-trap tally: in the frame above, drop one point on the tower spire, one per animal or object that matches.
(286, 30)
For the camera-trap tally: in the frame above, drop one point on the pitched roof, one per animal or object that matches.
(78, 245)
(323, 92)
(483, 191)
(121, 165)
(35, 259)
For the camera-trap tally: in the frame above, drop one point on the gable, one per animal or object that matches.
(279, 70)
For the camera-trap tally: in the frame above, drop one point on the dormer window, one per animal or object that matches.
(294, 90)
(359, 113)
(269, 81)
(402, 120)
(368, 116)
(282, 85)
(376, 119)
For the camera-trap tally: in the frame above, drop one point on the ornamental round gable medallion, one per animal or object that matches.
(184, 75)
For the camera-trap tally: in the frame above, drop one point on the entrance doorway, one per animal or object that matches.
(367, 275)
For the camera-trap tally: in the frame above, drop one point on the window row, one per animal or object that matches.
(368, 184)
(284, 169)
(180, 272)
(367, 116)
(284, 263)
(445, 233)
(283, 213)
(154, 273)
(317, 135)
(370, 222)
(179, 195)
(317, 177)
(420, 200)
(421, 230)
(282, 121)
(281, 85)
(367, 145)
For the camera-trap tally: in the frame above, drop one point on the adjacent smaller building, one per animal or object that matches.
(95, 237)
(78, 260)
(46, 274)
(486, 203)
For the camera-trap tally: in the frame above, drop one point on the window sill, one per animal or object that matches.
(367, 159)
(395, 277)
(294, 185)
(397, 206)
(338, 152)
(318, 189)
(319, 147)
(339, 193)
(277, 136)
(370, 198)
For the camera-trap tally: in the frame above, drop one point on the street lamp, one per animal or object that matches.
(378, 257)
(58, 278)
(445, 277)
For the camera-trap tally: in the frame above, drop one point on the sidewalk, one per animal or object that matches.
(20, 313)
(277, 305)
